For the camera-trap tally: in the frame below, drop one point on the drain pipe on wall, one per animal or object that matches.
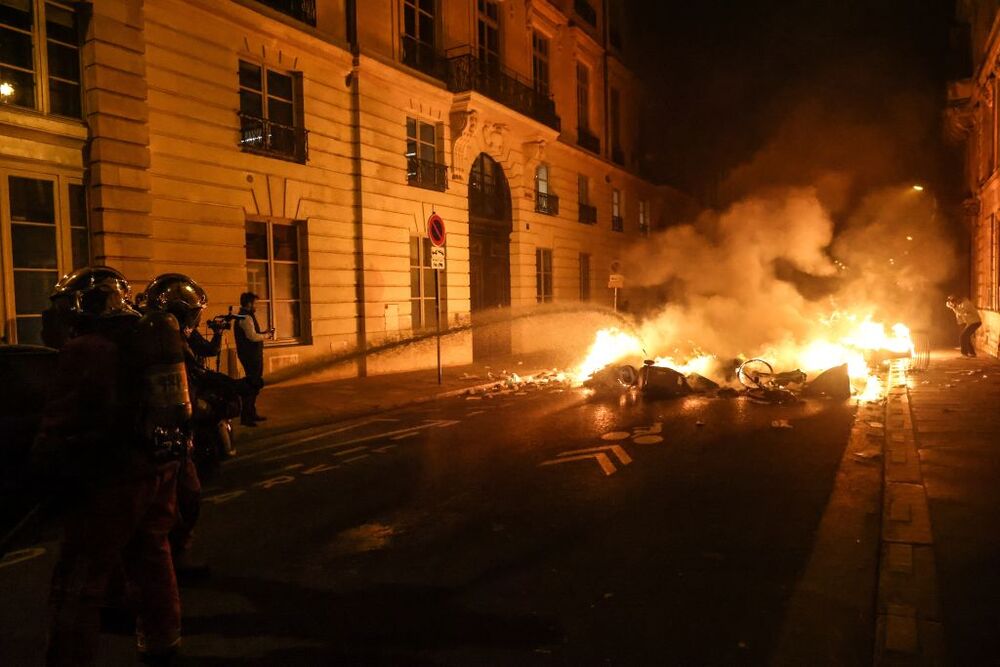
(354, 83)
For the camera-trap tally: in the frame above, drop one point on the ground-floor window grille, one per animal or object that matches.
(543, 275)
(274, 273)
(423, 288)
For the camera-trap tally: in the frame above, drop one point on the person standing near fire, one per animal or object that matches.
(250, 350)
(968, 318)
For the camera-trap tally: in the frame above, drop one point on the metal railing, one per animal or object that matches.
(585, 11)
(618, 155)
(588, 214)
(547, 203)
(466, 72)
(426, 174)
(302, 10)
(617, 223)
(585, 139)
(423, 57)
(259, 135)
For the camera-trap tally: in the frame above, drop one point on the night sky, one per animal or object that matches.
(755, 93)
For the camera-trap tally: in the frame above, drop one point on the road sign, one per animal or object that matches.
(598, 454)
(435, 230)
(437, 257)
(616, 281)
(616, 266)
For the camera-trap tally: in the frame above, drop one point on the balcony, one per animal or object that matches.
(547, 203)
(588, 214)
(301, 10)
(585, 11)
(588, 141)
(466, 72)
(423, 57)
(259, 135)
(426, 174)
(618, 156)
(617, 223)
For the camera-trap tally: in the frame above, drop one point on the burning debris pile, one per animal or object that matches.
(837, 370)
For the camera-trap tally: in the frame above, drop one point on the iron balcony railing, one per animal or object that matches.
(588, 214)
(302, 10)
(423, 57)
(585, 11)
(586, 140)
(547, 203)
(466, 72)
(259, 135)
(618, 155)
(617, 224)
(426, 174)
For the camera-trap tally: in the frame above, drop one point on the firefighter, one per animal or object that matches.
(118, 416)
(57, 319)
(968, 318)
(182, 297)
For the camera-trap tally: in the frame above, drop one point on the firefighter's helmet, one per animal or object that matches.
(177, 294)
(97, 291)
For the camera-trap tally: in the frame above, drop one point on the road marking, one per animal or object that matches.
(275, 481)
(322, 467)
(647, 439)
(353, 450)
(657, 427)
(474, 413)
(616, 435)
(431, 423)
(293, 466)
(384, 449)
(404, 436)
(21, 555)
(356, 458)
(598, 454)
(310, 438)
(223, 497)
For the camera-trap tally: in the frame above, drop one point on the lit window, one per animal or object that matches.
(270, 118)
(422, 166)
(540, 62)
(488, 24)
(48, 80)
(423, 287)
(274, 274)
(584, 277)
(617, 223)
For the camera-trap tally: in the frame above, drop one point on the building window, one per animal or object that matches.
(488, 33)
(588, 213)
(270, 116)
(543, 275)
(274, 274)
(643, 217)
(582, 97)
(545, 201)
(614, 113)
(994, 262)
(419, 44)
(25, 24)
(489, 194)
(586, 11)
(424, 285)
(584, 277)
(540, 62)
(617, 224)
(45, 218)
(422, 167)
(302, 10)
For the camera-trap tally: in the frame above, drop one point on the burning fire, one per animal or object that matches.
(865, 341)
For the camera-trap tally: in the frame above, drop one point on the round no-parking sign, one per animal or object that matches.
(435, 230)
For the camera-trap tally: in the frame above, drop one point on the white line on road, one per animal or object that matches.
(432, 423)
(602, 459)
(310, 438)
(356, 458)
(354, 450)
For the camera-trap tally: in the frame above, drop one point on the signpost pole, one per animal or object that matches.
(616, 299)
(437, 310)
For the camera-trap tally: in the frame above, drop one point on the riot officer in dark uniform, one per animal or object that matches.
(118, 419)
(58, 318)
(182, 297)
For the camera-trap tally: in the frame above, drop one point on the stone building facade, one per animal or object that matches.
(973, 116)
(297, 148)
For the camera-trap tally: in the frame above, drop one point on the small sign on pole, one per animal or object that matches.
(616, 281)
(437, 257)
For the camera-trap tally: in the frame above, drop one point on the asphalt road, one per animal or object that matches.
(536, 527)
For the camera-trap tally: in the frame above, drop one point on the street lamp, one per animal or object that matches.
(918, 188)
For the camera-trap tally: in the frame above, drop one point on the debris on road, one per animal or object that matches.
(781, 424)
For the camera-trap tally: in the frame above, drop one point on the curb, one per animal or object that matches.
(909, 629)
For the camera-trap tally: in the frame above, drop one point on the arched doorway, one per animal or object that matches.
(489, 258)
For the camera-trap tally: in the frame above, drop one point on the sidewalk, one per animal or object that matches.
(955, 408)
(293, 407)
